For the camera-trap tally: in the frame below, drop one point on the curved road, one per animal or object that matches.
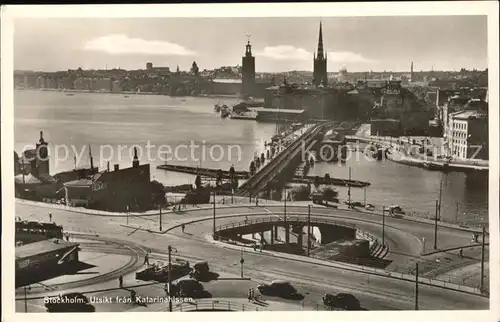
(374, 292)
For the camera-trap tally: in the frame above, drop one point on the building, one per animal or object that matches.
(33, 231)
(34, 181)
(102, 84)
(44, 259)
(385, 127)
(126, 189)
(320, 76)
(149, 66)
(248, 72)
(468, 132)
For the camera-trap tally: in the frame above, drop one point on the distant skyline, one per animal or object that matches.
(279, 44)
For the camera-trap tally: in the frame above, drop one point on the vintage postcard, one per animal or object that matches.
(251, 157)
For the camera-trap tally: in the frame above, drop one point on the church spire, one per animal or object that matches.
(320, 41)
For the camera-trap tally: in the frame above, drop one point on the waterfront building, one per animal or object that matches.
(468, 132)
(126, 189)
(34, 181)
(320, 76)
(102, 84)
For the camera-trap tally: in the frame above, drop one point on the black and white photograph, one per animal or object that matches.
(251, 163)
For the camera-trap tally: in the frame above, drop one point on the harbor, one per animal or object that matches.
(463, 199)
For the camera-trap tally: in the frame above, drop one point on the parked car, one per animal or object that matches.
(343, 301)
(201, 271)
(278, 288)
(188, 288)
(69, 302)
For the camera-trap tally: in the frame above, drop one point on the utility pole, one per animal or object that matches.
(364, 198)
(436, 225)
(383, 226)
(169, 278)
(482, 261)
(160, 219)
(440, 196)
(242, 260)
(416, 287)
(285, 204)
(456, 219)
(308, 230)
(127, 214)
(25, 300)
(214, 212)
(349, 191)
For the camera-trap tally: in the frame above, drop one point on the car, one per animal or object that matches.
(278, 288)
(343, 301)
(69, 302)
(188, 287)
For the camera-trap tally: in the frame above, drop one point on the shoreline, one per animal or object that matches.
(119, 93)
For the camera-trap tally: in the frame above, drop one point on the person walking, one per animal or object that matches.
(183, 227)
(50, 217)
(120, 281)
(146, 259)
(249, 294)
(461, 253)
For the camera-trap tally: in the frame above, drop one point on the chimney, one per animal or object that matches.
(117, 167)
(91, 158)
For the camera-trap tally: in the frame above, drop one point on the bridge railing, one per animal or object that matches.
(289, 219)
(215, 305)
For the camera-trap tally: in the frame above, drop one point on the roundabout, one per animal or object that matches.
(376, 290)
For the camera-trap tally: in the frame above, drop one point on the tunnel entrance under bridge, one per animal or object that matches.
(289, 234)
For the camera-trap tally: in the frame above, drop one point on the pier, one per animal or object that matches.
(212, 173)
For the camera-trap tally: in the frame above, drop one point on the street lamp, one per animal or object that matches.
(170, 248)
(214, 212)
(383, 226)
(242, 261)
(308, 230)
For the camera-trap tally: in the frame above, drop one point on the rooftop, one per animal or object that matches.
(468, 114)
(42, 247)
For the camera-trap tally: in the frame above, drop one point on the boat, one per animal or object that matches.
(126, 96)
(250, 115)
(70, 94)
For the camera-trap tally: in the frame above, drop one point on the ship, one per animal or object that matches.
(242, 111)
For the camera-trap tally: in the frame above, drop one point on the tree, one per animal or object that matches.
(218, 179)
(327, 176)
(316, 181)
(158, 193)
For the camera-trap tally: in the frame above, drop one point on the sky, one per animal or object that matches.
(279, 44)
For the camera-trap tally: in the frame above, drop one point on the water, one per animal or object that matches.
(99, 120)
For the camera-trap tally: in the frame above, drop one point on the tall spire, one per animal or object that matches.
(248, 51)
(320, 41)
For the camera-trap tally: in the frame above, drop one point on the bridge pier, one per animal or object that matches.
(272, 235)
(287, 233)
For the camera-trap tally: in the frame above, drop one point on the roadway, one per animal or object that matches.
(374, 292)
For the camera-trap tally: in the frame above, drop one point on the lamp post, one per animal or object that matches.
(383, 226)
(214, 212)
(160, 219)
(349, 186)
(285, 205)
(308, 230)
(482, 261)
(436, 224)
(416, 286)
(242, 261)
(170, 248)
(127, 214)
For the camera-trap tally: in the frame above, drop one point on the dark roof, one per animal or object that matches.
(28, 179)
(42, 247)
(79, 183)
